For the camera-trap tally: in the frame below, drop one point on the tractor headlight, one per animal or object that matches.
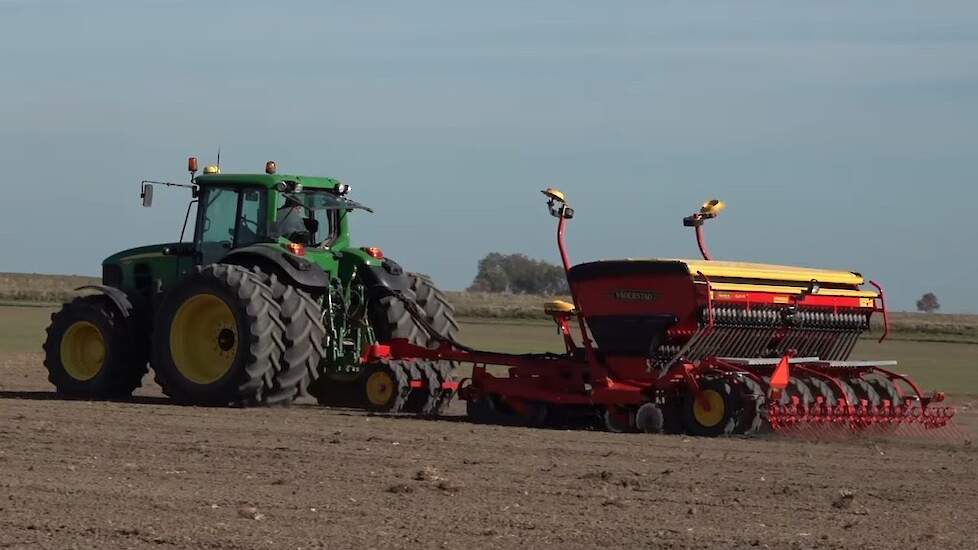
(288, 186)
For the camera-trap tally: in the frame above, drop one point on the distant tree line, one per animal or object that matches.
(518, 274)
(928, 303)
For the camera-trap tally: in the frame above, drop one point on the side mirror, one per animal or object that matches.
(147, 195)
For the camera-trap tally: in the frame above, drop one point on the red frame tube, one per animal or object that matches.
(701, 243)
(886, 316)
(709, 298)
(565, 259)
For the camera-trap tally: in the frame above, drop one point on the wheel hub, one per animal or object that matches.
(708, 408)
(225, 339)
(82, 350)
(203, 338)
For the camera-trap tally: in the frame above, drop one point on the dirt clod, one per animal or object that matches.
(250, 512)
(428, 473)
(603, 475)
(400, 489)
(844, 500)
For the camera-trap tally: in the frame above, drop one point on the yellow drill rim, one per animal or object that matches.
(712, 413)
(82, 350)
(203, 338)
(380, 388)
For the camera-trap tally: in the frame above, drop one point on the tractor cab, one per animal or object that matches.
(236, 211)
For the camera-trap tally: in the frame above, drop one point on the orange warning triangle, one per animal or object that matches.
(779, 380)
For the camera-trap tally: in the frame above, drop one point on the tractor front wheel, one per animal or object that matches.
(90, 351)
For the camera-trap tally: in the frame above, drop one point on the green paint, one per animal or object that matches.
(238, 210)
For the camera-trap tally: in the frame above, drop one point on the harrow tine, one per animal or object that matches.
(706, 346)
(755, 341)
(853, 340)
(741, 335)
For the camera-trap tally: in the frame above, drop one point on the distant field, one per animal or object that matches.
(35, 287)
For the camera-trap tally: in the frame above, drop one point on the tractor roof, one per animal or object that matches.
(265, 180)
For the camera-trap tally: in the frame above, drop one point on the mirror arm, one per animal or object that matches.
(192, 186)
(186, 218)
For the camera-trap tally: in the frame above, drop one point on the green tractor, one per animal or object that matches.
(268, 302)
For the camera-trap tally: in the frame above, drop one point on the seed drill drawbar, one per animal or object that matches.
(704, 347)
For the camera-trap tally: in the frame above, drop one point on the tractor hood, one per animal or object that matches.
(140, 253)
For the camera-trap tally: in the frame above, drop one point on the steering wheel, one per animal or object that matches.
(245, 222)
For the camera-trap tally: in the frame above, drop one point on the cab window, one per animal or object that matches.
(228, 218)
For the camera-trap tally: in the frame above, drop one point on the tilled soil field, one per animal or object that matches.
(148, 474)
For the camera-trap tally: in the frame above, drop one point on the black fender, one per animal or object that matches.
(135, 310)
(301, 271)
(118, 297)
(385, 279)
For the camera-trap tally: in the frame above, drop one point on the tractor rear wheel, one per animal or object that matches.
(303, 333)
(218, 339)
(90, 351)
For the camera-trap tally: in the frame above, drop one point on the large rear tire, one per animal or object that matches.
(90, 351)
(303, 332)
(218, 339)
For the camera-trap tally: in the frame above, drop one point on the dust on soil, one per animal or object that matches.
(147, 474)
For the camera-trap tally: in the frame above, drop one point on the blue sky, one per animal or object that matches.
(840, 134)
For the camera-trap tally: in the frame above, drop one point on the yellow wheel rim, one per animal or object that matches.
(203, 338)
(380, 388)
(711, 412)
(82, 350)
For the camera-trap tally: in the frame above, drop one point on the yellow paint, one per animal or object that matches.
(558, 307)
(777, 289)
(203, 338)
(380, 388)
(712, 207)
(555, 194)
(82, 351)
(713, 412)
(746, 270)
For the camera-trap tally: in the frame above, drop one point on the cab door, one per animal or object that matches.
(216, 223)
(228, 218)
